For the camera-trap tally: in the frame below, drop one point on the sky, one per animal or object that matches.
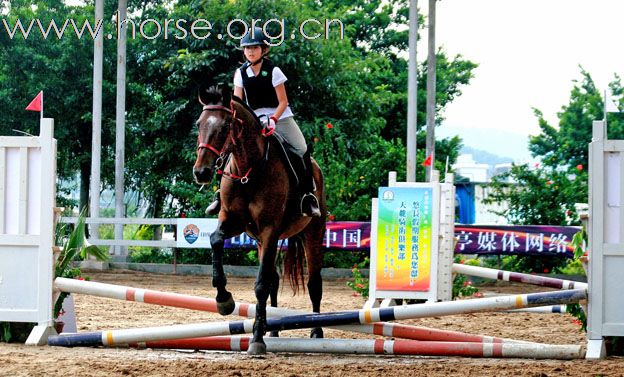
(528, 53)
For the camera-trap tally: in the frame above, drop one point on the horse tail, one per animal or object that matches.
(293, 263)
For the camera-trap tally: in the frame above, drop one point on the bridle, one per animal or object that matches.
(227, 110)
(221, 154)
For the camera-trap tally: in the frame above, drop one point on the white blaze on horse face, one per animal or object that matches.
(211, 120)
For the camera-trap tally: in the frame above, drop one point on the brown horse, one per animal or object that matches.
(258, 197)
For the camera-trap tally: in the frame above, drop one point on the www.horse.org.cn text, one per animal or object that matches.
(275, 29)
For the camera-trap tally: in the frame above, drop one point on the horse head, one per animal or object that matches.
(214, 125)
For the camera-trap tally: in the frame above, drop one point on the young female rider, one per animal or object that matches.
(261, 84)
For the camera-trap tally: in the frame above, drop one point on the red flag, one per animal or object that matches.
(428, 161)
(37, 103)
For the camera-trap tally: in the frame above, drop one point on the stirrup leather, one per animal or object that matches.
(215, 206)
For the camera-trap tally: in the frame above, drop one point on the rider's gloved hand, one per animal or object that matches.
(269, 125)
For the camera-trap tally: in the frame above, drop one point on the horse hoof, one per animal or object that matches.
(256, 348)
(227, 306)
(316, 333)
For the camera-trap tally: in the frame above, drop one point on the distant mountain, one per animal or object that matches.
(482, 157)
(498, 142)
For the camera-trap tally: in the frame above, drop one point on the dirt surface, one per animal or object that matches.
(95, 314)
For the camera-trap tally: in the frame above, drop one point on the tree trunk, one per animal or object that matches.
(85, 183)
(158, 208)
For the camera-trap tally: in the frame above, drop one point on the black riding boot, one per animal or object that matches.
(215, 206)
(309, 203)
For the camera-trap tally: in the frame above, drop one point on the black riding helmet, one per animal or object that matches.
(257, 38)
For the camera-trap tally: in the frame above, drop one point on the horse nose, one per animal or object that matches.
(202, 174)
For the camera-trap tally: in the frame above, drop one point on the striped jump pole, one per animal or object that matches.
(377, 347)
(364, 316)
(557, 309)
(178, 300)
(490, 273)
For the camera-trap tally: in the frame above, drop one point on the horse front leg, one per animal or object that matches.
(274, 290)
(263, 286)
(225, 301)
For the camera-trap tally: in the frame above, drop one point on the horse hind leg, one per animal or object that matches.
(312, 241)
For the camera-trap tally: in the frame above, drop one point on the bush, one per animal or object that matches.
(462, 285)
(359, 283)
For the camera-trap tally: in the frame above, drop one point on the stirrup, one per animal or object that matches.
(312, 208)
(215, 206)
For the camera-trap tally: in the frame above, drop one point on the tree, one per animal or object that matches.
(61, 67)
(545, 195)
(357, 85)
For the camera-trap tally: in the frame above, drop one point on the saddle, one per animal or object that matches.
(291, 160)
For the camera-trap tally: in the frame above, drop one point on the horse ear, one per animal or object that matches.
(202, 94)
(226, 95)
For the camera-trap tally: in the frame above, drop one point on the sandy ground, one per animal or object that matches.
(104, 314)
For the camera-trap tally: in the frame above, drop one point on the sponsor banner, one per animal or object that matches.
(404, 230)
(515, 239)
(193, 233)
(355, 235)
(346, 235)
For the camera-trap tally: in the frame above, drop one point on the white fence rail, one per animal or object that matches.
(126, 221)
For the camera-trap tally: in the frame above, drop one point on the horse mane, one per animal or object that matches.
(237, 102)
(211, 96)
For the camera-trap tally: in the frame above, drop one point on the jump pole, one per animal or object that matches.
(363, 316)
(178, 300)
(377, 347)
(553, 309)
(490, 273)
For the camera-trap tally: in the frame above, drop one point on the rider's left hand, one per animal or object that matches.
(269, 126)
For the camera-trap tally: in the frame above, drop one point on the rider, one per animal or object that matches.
(261, 83)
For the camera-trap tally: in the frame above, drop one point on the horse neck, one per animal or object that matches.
(248, 146)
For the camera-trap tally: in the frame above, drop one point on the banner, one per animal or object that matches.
(355, 235)
(404, 231)
(515, 239)
(194, 232)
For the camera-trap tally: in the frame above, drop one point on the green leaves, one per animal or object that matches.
(358, 83)
(74, 247)
(547, 194)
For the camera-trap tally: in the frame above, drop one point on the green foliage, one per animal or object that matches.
(151, 255)
(576, 310)
(572, 267)
(5, 332)
(343, 258)
(579, 243)
(62, 68)
(462, 285)
(526, 264)
(546, 194)
(539, 195)
(358, 84)
(359, 283)
(74, 248)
